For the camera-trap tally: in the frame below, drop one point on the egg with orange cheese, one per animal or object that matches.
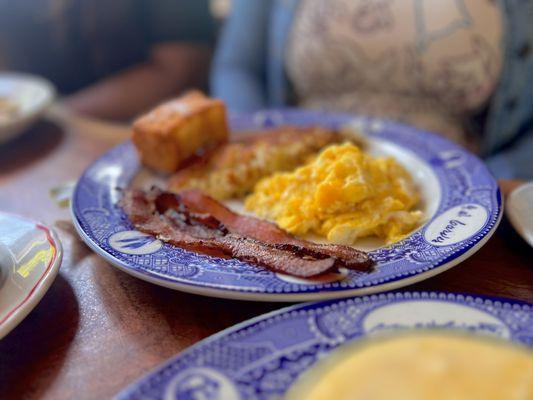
(343, 194)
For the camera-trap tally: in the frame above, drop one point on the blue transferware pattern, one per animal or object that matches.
(261, 358)
(470, 199)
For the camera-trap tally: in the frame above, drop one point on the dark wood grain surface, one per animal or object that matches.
(98, 329)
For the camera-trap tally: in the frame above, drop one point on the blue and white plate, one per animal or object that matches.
(461, 202)
(261, 358)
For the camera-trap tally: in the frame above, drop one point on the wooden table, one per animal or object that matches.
(98, 329)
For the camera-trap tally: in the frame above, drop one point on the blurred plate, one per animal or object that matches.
(519, 210)
(30, 256)
(461, 202)
(262, 357)
(23, 100)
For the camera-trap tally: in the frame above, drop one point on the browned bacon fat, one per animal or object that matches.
(187, 222)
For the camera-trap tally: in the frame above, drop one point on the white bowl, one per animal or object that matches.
(31, 95)
(519, 210)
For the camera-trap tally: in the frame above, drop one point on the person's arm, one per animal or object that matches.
(171, 68)
(515, 162)
(239, 67)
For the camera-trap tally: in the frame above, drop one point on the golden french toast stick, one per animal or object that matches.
(175, 130)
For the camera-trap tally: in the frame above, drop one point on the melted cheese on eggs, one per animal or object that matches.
(343, 194)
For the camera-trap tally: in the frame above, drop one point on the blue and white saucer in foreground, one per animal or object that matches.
(461, 202)
(30, 256)
(261, 358)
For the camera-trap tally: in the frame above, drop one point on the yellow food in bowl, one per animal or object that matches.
(343, 194)
(421, 366)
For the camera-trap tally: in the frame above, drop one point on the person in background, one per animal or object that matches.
(460, 68)
(111, 59)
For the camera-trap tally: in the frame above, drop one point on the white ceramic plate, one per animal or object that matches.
(30, 95)
(519, 210)
(30, 256)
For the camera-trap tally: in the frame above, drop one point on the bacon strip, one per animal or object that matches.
(162, 215)
(268, 232)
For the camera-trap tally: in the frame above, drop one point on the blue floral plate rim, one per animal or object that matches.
(317, 334)
(463, 178)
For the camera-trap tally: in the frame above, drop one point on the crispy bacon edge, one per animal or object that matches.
(197, 222)
(270, 233)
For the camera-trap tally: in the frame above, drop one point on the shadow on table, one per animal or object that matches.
(513, 239)
(178, 319)
(36, 349)
(29, 147)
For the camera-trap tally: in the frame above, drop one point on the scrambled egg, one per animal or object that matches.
(416, 366)
(343, 194)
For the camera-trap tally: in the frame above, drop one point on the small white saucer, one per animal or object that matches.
(31, 95)
(30, 256)
(519, 210)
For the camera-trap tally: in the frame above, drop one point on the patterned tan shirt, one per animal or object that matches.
(424, 62)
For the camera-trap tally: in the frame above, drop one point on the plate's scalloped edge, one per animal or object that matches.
(293, 292)
(480, 302)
